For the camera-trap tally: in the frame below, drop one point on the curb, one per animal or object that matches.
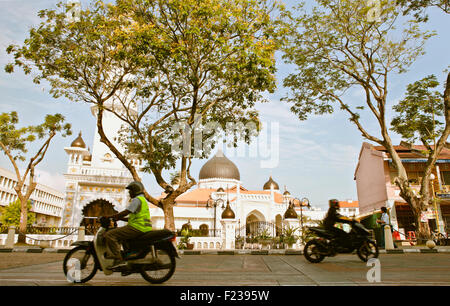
(232, 252)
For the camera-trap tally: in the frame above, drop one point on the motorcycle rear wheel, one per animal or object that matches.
(161, 270)
(312, 252)
(79, 265)
(367, 250)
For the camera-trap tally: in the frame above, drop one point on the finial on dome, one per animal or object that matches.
(219, 152)
(78, 142)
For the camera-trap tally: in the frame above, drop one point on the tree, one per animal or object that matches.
(419, 112)
(339, 46)
(13, 142)
(10, 215)
(419, 7)
(161, 67)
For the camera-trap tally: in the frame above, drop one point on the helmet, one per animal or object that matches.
(334, 203)
(135, 188)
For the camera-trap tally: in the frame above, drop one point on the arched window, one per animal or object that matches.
(187, 226)
(204, 230)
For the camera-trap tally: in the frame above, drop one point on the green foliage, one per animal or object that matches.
(289, 236)
(14, 140)
(264, 235)
(419, 7)
(419, 111)
(336, 47)
(10, 215)
(162, 63)
(184, 240)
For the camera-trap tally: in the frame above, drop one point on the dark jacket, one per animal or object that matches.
(333, 217)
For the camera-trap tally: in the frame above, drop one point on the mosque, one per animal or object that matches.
(96, 181)
(219, 185)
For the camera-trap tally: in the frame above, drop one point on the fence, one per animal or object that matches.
(201, 232)
(63, 237)
(55, 237)
(262, 234)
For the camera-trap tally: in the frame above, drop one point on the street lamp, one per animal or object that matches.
(214, 203)
(302, 203)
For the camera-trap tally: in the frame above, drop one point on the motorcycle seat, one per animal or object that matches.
(322, 232)
(148, 238)
(153, 236)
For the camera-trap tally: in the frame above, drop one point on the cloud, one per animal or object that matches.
(53, 180)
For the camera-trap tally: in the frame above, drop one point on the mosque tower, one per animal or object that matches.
(95, 182)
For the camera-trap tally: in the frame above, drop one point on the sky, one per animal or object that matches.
(317, 157)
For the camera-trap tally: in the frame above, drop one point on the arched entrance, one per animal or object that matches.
(96, 208)
(253, 223)
(278, 224)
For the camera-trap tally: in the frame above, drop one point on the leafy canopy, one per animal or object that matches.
(14, 139)
(419, 112)
(339, 45)
(10, 215)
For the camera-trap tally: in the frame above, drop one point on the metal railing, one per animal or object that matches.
(201, 232)
(41, 230)
(48, 230)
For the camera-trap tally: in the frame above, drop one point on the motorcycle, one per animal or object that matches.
(359, 239)
(152, 255)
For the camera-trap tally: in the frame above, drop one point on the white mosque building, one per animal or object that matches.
(219, 184)
(96, 181)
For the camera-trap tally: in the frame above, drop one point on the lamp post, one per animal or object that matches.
(214, 203)
(302, 203)
(432, 177)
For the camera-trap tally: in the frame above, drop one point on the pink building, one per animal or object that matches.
(374, 177)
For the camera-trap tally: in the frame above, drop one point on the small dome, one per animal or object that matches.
(88, 157)
(286, 192)
(78, 142)
(269, 183)
(220, 189)
(228, 213)
(290, 213)
(219, 167)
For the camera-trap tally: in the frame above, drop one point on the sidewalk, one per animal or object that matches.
(400, 250)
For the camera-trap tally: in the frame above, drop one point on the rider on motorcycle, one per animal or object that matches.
(138, 223)
(333, 217)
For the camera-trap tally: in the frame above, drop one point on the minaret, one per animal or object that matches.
(102, 157)
(286, 195)
(77, 152)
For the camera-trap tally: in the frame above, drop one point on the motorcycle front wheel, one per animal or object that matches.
(312, 251)
(161, 268)
(79, 265)
(367, 250)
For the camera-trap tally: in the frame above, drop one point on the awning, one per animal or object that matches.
(421, 160)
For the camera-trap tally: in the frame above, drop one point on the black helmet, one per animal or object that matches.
(135, 188)
(334, 203)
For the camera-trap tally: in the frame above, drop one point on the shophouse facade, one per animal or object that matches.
(374, 176)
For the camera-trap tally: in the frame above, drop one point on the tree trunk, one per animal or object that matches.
(23, 220)
(417, 206)
(422, 228)
(169, 219)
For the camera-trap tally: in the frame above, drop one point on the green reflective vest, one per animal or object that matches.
(141, 219)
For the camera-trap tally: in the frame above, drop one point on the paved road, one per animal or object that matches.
(258, 270)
